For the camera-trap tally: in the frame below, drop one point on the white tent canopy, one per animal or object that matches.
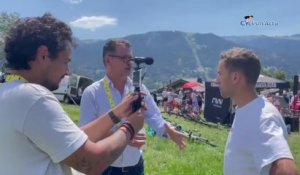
(269, 82)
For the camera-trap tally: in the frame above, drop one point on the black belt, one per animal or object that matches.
(128, 168)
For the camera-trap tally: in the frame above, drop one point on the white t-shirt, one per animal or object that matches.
(164, 94)
(258, 137)
(35, 132)
(194, 98)
(170, 96)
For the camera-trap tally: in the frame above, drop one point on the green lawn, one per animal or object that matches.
(163, 157)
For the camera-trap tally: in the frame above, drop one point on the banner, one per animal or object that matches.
(216, 108)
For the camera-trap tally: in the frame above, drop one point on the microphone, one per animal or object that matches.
(146, 60)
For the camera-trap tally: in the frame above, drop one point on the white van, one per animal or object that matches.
(71, 88)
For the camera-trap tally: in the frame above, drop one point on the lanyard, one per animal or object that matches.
(109, 94)
(14, 77)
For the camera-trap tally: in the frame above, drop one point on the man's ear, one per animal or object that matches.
(42, 52)
(235, 76)
(107, 61)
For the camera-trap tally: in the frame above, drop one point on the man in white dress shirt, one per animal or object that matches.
(104, 94)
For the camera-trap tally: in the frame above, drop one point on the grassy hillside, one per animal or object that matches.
(163, 156)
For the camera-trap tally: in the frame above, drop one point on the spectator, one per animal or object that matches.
(296, 103)
(165, 99)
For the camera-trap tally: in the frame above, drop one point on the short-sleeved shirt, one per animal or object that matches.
(35, 132)
(258, 137)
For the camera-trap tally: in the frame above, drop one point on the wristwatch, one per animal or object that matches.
(113, 117)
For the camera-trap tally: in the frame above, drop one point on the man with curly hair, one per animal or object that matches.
(37, 136)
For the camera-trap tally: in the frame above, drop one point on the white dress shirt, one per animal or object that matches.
(95, 102)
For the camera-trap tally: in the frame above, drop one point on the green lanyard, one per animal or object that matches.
(14, 77)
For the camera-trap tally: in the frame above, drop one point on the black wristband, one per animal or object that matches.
(113, 117)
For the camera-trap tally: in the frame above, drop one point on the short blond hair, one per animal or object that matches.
(243, 60)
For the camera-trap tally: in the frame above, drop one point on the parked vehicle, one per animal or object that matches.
(71, 88)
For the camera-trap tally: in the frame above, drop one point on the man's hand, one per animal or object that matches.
(138, 140)
(137, 119)
(177, 137)
(124, 108)
(284, 166)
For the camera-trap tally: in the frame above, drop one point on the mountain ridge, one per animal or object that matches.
(180, 54)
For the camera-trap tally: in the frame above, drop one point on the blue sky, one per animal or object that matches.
(102, 19)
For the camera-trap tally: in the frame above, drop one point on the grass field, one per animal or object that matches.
(162, 157)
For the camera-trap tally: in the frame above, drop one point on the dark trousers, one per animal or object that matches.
(137, 169)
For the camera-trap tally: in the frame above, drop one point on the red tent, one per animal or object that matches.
(192, 84)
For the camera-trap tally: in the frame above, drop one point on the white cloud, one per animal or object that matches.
(73, 1)
(93, 22)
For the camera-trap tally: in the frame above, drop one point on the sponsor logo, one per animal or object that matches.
(217, 102)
